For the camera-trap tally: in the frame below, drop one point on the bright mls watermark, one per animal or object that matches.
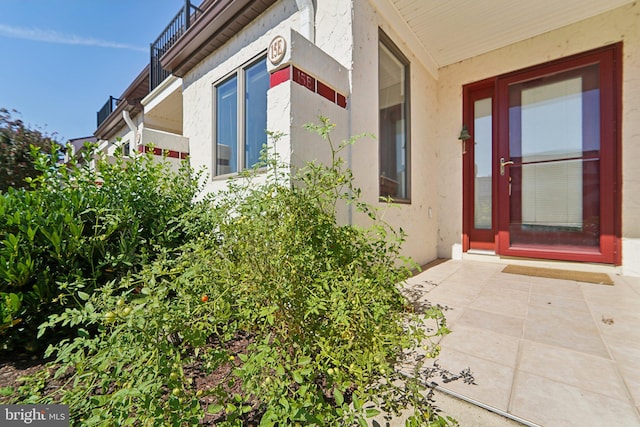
(34, 415)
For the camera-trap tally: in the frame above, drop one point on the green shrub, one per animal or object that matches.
(298, 317)
(16, 163)
(76, 228)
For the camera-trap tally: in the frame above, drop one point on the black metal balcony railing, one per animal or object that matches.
(176, 28)
(107, 109)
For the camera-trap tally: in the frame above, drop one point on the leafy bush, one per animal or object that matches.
(298, 318)
(76, 228)
(16, 163)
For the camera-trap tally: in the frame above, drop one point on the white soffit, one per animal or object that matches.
(454, 30)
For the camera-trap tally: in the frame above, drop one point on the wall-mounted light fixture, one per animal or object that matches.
(464, 135)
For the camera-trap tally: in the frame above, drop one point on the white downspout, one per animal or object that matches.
(127, 118)
(307, 20)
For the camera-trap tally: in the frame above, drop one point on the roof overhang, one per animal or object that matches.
(221, 20)
(129, 101)
(443, 32)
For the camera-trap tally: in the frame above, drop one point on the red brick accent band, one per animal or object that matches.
(280, 76)
(161, 152)
(325, 91)
(303, 79)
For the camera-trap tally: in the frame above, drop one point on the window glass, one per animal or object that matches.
(241, 118)
(255, 97)
(393, 108)
(227, 127)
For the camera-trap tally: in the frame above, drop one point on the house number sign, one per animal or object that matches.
(277, 49)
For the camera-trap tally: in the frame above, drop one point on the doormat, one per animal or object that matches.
(552, 273)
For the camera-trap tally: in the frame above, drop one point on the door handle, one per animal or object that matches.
(503, 164)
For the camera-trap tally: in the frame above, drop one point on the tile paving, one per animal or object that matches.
(551, 352)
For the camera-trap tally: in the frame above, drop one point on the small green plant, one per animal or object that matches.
(298, 317)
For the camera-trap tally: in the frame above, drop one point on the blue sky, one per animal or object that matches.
(61, 59)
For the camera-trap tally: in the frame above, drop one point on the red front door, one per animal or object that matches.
(550, 170)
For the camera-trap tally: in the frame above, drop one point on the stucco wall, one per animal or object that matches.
(418, 219)
(290, 105)
(348, 32)
(198, 83)
(334, 32)
(618, 25)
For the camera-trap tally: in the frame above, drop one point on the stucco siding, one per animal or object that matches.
(334, 29)
(345, 57)
(419, 218)
(198, 84)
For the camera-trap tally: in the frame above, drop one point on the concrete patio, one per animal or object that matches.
(549, 352)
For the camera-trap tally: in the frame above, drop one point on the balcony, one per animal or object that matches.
(192, 35)
(110, 115)
(176, 28)
(108, 108)
(217, 22)
(164, 141)
(173, 146)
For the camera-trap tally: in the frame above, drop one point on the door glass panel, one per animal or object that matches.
(552, 131)
(554, 142)
(482, 149)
